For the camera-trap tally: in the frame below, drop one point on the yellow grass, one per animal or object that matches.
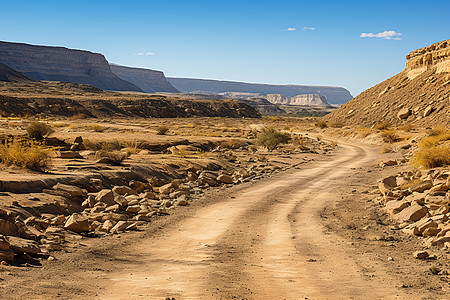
(432, 157)
(26, 154)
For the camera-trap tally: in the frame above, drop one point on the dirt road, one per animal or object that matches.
(266, 242)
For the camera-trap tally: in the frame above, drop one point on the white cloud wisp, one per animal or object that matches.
(145, 53)
(308, 28)
(387, 35)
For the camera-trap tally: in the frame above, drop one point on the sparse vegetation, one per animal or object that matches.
(113, 157)
(382, 126)
(270, 138)
(96, 127)
(389, 136)
(432, 157)
(233, 144)
(26, 154)
(38, 131)
(162, 130)
(435, 136)
(321, 124)
(406, 128)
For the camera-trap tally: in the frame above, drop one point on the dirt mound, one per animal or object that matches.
(418, 95)
(10, 75)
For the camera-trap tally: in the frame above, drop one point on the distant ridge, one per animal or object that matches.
(62, 64)
(334, 95)
(148, 80)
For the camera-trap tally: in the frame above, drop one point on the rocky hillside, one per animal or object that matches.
(149, 81)
(304, 99)
(335, 95)
(419, 95)
(62, 64)
(70, 99)
(10, 75)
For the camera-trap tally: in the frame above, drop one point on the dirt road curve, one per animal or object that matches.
(266, 242)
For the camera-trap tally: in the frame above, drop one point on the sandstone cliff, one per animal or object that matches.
(304, 99)
(420, 94)
(10, 75)
(62, 64)
(149, 81)
(335, 95)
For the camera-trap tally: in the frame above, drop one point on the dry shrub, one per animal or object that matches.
(389, 136)
(435, 136)
(114, 157)
(271, 138)
(38, 130)
(162, 130)
(26, 154)
(382, 126)
(432, 157)
(91, 145)
(337, 125)
(132, 147)
(78, 117)
(321, 124)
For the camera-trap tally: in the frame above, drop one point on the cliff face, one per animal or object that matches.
(419, 95)
(304, 99)
(435, 56)
(149, 81)
(335, 95)
(62, 64)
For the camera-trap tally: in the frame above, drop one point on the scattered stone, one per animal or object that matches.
(106, 197)
(77, 223)
(120, 226)
(403, 113)
(20, 245)
(412, 213)
(225, 179)
(124, 190)
(421, 254)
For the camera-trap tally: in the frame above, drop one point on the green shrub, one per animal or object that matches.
(271, 138)
(38, 130)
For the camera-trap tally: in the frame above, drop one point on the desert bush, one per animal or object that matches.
(25, 153)
(162, 130)
(389, 136)
(435, 136)
(114, 157)
(321, 124)
(432, 157)
(382, 126)
(132, 147)
(38, 130)
(271, 138)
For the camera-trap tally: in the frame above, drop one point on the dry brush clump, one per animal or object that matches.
(270, 138)
(162, 130)
(25, 153)
(433, 152)
(38, 130)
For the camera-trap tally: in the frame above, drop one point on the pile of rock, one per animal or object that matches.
(419, 201)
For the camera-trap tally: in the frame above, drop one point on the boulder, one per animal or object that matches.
(421, 254)
(8, 228)
(227, 179)
(403, 113)
(137, 186)
(108, 225)
(395, 206)
(77, 223)
(167, 188)
(20, 245)
(421, 186)
(73, 191)
(124, 190)
(6, 253)
(431, 231)
(105, 196)
(133, 209)
(386, 185)
(411, 214)
(428, 110)
(120, 226)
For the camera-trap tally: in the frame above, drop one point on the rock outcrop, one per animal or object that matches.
(10, 75)
(335, 95)
(149, 81)
(419, 95)
(436, 56)
(62, 64)
(304, 99)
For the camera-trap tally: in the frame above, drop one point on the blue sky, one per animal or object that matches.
(279, 42)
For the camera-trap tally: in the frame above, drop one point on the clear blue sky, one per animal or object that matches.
(252, 41)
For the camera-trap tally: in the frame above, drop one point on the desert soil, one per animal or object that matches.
(311, 232)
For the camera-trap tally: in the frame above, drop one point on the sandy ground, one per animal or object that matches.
(307, 233)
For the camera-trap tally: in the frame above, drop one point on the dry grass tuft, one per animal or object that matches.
(162, 130)
(38, 130)
(321, 124)
(389, 136)
(26, 154)
(271, 138)
(431, 157)
(435, 136)
(382, 126)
